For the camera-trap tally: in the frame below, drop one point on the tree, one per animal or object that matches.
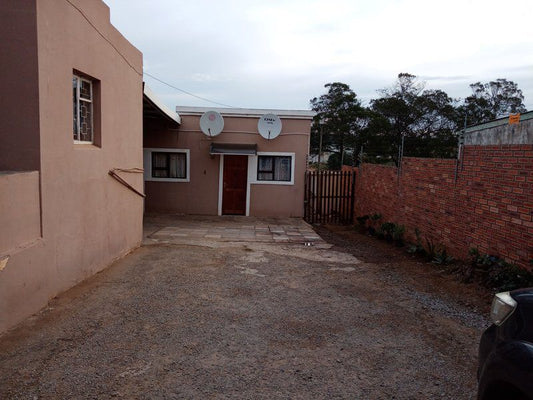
(397, 105)
(338, 119)
(425, 119)
(492, 100)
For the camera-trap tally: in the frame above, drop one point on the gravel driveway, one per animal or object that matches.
(250, 321)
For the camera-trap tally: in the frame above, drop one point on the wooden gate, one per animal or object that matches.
(329, 197)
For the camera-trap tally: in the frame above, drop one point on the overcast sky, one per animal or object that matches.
(280, 53)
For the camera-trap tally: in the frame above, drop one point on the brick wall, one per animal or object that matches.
(489, 206)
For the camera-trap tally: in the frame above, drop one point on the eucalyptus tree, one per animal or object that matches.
(427, 119)
(492, 100)
(339, 119)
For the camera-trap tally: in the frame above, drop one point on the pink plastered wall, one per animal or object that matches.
(87, 219)
(201, 194)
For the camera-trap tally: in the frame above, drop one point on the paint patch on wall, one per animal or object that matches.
(3, 262)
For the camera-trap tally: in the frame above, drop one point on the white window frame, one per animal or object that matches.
(79, 79)
(252, 168)
(147, 161)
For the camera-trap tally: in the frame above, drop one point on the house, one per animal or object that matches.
(234, 171)
(70, 113)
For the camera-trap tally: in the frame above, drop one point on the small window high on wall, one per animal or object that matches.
(83, 109)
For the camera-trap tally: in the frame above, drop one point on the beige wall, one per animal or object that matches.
(88, 219)
(20, 212)
(201, 194)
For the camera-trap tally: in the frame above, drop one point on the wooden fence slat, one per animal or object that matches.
(329, 197)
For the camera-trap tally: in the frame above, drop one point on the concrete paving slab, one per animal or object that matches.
(174, 228)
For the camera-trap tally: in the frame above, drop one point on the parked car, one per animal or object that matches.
(505, 368)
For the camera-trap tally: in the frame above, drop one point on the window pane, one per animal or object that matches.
(159, 165)
(82, 110)
(282, 169)
(159, 160)
(85, 90)
(177, 165)
(265, 176)
(86, 121)
(265, 163)
(75, 107)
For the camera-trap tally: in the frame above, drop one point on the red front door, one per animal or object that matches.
(234, 185)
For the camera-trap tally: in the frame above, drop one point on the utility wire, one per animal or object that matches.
(103, 36)
(132, 66)
(186, 92)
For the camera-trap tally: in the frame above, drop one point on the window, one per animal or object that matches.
(169, 165)
(166, 165)
(82, 101)
(274, 168)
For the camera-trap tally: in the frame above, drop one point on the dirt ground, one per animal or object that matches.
(361, 320)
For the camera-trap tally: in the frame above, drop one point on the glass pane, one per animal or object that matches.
(283, 169)
(265, 163)
(86, 121)
(160, 173)
(265, 176)
(85, 90)
(159, 160)
(159, 165)
(177, 165)
(75, 107)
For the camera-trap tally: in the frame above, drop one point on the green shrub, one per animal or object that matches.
(374, 220)
(437, 253)
(362, 221)
(417, 248)
(385, 230)
(499, 274)
(441, 257)
(397, 234)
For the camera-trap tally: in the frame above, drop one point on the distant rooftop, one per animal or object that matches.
(246, 112)
(501, 132)
(497, 122)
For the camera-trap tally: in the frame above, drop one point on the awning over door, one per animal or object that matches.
(233, 149)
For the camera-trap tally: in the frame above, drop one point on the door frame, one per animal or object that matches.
(221, 183)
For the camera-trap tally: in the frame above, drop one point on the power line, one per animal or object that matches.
(103, 36)
(186, 92)
(133, 67)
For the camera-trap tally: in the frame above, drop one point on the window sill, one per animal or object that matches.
(286, 183)
(175, 180)
(85, 145)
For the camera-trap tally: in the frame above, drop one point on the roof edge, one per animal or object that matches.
(246, 112)
(159, 104)
(498, 122)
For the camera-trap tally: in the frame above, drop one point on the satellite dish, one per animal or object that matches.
(211, 123)
(269, 126)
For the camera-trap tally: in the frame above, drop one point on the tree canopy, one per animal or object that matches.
(426, 120)
(337, 120)
(492, 100)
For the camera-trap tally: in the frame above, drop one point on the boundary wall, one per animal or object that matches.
(488, 205)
